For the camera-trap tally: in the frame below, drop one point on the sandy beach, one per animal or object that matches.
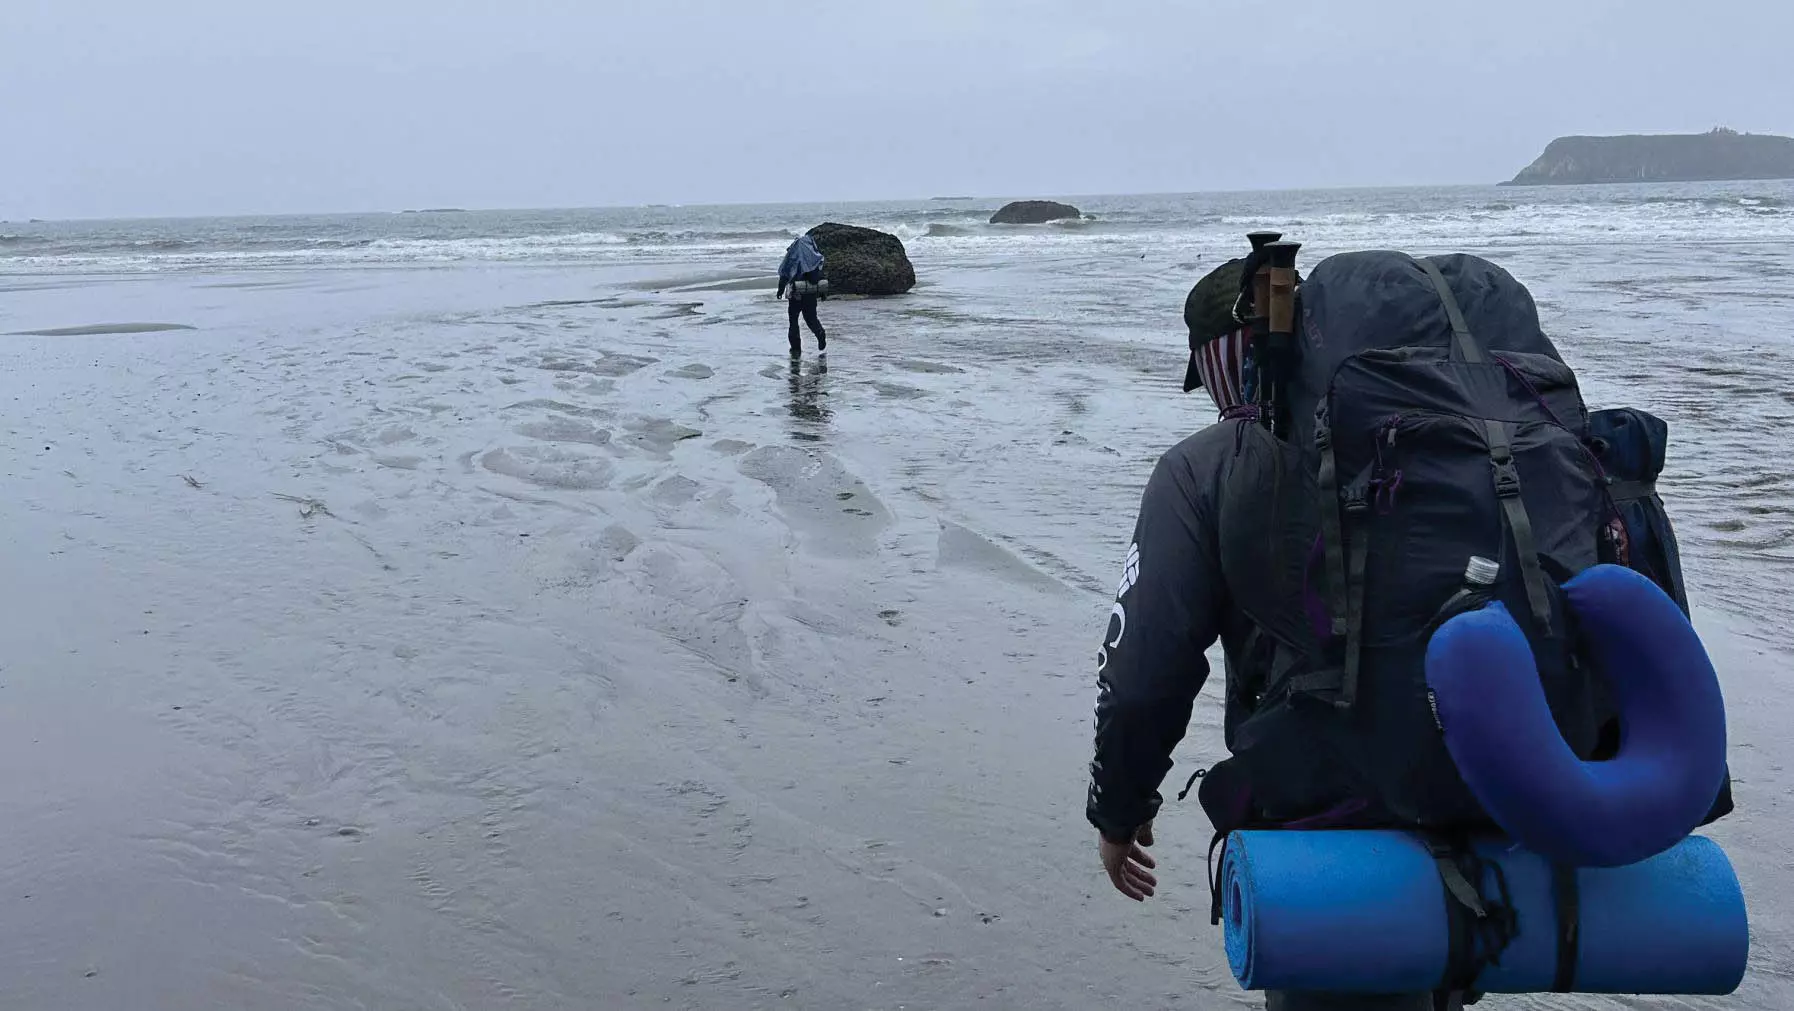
(537, 634)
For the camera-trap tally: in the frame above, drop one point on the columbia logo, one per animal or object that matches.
(1130, 570)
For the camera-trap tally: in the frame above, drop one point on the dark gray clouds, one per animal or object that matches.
(128, 107)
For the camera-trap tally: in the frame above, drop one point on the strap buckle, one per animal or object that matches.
(1507, 476)
(1318, 683)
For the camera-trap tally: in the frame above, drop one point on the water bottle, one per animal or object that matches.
(1479, 580)
(1479, 588)
(1480, 573)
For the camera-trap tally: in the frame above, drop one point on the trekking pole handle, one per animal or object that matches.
(1280, 283)
(1261, 277)
(1260, 283)
(1250, 288)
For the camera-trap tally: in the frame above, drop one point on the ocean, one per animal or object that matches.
(455, 609)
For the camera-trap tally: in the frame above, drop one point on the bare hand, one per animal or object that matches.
(1129, 865)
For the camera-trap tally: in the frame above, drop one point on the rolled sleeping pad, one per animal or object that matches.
(1499, 730)
(1365, 912)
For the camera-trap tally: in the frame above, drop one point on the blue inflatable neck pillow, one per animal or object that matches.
(1501, 736)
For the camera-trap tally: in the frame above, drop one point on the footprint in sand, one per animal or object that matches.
(657, 435)
(564, 365)
(676, 490)
(562, 429)
(689, 599)
(615, 365)
(560, 407)
(594, 387)
(550, 467)
(898, 391)
(802, 483)
(583, 565)
(616, 542)
(917, 365)
(961, 548)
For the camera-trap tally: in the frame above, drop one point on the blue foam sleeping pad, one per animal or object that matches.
(1365, 912)
(1499, 730)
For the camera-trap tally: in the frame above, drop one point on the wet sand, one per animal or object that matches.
(100, 329)
(540, 638)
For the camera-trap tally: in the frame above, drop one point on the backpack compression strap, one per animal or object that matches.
(1513, 509)
(1461, 343)
(1625, 491)
(1500, 436)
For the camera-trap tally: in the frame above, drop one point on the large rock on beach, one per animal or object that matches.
(863, 261)
(1034, 212)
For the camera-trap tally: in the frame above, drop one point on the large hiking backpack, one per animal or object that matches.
(1431, 421)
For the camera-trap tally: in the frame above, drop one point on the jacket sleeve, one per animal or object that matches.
(1151, 665)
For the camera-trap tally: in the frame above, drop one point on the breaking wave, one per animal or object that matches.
(1183, 224)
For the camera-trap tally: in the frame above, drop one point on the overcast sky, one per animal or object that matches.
(153, 107)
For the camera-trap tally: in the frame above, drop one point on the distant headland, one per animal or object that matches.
(1718, 154)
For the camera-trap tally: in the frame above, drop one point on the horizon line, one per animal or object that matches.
(443, 209)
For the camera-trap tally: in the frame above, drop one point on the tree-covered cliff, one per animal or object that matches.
(1656, 158)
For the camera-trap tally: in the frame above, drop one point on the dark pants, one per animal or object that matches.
(806, 307)
(1276, 1001)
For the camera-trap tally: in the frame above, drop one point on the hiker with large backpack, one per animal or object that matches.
(1412, 449)
(801, 275)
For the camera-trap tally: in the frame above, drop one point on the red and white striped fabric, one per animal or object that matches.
(1221, 363)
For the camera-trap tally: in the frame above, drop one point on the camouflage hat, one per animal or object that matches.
(1208, 311)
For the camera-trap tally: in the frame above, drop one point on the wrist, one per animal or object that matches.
(1113, 832)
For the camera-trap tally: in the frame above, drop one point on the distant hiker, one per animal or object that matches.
(800, 274)
(1322, 561)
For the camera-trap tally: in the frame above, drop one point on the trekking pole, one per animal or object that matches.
(1251, 300)
(1256, 278)
(1280, 322)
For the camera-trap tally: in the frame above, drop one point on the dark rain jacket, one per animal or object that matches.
(1171, 606)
